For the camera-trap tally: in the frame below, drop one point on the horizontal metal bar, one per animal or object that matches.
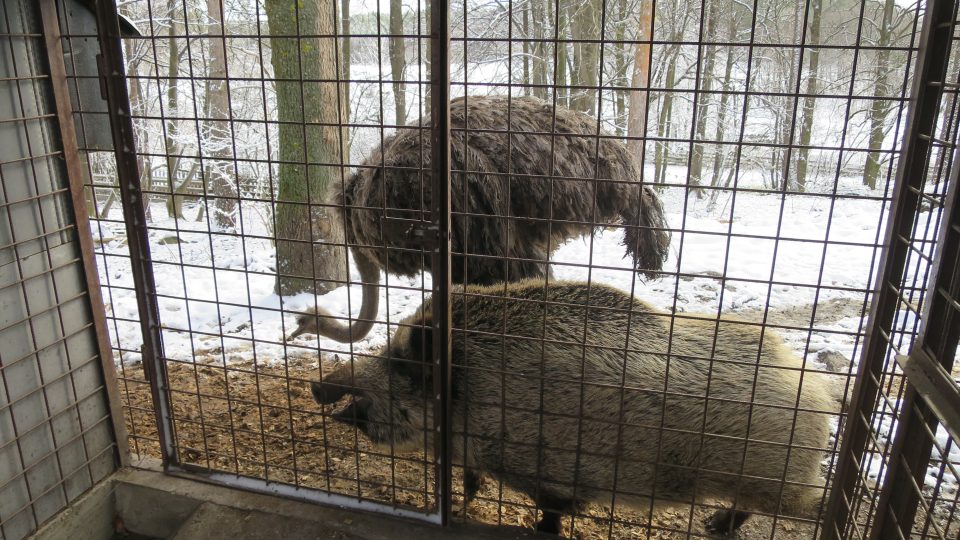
(39, 350)
(38, 197)
(546, 41)
(33, 314)
(295, 492)
(51, 417)
(40, 237)
(69, 475)
(24, 279)
(59, 377)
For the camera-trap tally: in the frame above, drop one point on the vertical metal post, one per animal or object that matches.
(112, 73)
(440, 217)
(74, 169)
(930, 71)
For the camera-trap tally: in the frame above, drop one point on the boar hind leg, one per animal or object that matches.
(549, 524)
(726, 521)
(472, 482)
(553, 509)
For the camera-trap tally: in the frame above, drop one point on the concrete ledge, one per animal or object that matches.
(316, 521)
(91, 517)
(152, 504)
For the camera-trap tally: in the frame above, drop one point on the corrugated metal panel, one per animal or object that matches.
(56, 435)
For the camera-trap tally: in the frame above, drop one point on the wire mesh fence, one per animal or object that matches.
(667, 218)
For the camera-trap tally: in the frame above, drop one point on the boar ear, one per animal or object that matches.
(418, 367)
(421, 342)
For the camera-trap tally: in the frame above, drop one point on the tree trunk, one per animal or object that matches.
(398, 61)
(621, 64)
(560, 70)
(143, 141)
(425, 58)
(879, 109)
(809, 101)
(782, 128)
(662, 154)
(539, 64)
(345, 59)
(722, 115)
(703, 107)
(305, 144)
(585, 25)
(525, 47)
(785, 116)
(217, 143)
(171, 130)
(637, 106)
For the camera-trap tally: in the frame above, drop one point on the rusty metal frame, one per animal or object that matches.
(114, 88)
(929, 75)
(74, 169)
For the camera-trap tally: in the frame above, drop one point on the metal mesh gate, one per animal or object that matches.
(248, 424)
(899, 456)
(725, 168)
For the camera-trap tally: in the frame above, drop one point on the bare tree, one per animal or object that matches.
(664, 124)
(702, 99)
(721, 124)
(540, 70)
(880, 108)
(171, 124)
(585, 30)
(809, 100)
(217, 132)
(134, 58)
(640, 78)
(398, 61)
(560, 69)
(346, 59)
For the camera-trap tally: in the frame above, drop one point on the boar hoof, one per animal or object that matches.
(726, 521)
(550, 524)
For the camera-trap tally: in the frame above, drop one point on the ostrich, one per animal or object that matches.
(513, 202)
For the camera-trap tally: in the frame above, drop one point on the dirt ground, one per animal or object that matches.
(262, 422)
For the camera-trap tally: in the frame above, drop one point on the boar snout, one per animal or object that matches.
(326, 393)
(354, 414)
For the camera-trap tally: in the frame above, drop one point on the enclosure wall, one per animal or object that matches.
(56, 435)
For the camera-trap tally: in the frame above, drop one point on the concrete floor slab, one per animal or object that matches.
(149, 503)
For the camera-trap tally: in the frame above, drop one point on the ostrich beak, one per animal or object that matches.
(299, 331)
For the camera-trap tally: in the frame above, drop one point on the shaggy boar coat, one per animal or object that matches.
(545, 399)
(552, 180)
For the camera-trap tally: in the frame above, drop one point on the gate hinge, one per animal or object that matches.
(415, 232)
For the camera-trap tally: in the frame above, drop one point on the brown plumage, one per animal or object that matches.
(538, 365)
(585, 193)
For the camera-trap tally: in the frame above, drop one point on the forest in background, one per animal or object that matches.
(245, 108)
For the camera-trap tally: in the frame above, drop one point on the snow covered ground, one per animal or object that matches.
(221, 299)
